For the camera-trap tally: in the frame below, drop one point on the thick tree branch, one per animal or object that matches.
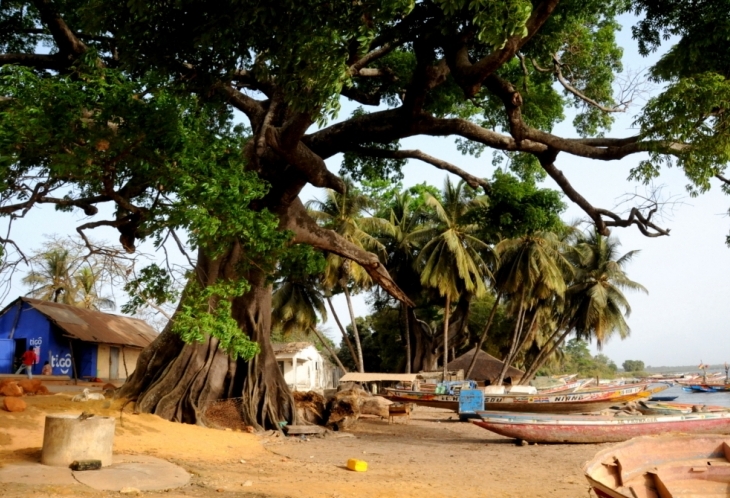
(643, 223)
(68, 43)
(473, 181)
(470, 76)
(252, 108)
(306, 231)
(38, 61)
(361, 97)
(306, 161)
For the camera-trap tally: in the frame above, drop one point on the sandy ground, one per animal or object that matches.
(434, 455)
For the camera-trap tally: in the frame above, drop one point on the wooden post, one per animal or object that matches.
(124, 361)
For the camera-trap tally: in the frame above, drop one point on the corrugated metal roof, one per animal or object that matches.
(377, 377)
(290, 347)
(95, 326)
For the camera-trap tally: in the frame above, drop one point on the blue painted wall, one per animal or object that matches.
(39, 332)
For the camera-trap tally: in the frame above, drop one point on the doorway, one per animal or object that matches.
(21, 346)
(113, 363)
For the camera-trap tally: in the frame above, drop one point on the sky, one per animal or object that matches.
(683, 319)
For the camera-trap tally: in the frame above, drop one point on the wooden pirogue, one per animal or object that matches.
(670, 466)
(544, 428)
(577, 402)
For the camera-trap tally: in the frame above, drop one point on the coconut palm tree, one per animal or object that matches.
(532, 272)
(400, 239)
(86, 289)
(345, 214)
(297, 306)
(453, 260)
(53, 280)
(595, 304)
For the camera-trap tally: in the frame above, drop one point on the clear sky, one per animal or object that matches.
(681, 321)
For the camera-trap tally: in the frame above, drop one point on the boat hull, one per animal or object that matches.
(445, 401)
(666, 466)
(597, 429)
(535, 403)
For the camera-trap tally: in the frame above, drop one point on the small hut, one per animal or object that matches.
(487, 367)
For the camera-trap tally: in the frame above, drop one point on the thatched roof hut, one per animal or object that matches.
(487, 367)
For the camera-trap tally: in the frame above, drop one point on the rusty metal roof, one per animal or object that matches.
(95, 326)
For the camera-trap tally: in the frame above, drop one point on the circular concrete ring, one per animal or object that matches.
(67, 438)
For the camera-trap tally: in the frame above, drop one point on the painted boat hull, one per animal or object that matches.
(600, 429)
(585, 401)
(669, 466)
(578, 402)
(445, 401)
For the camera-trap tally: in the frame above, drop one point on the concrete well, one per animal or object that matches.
(67, 438)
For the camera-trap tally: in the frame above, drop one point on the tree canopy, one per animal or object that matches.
(138, 105)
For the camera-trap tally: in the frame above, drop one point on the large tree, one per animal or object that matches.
(131, 106)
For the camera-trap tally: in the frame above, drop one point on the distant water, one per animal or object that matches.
(720, 399)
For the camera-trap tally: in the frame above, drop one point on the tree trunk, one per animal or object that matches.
(361, 364)
(483, 337)
(447, 309)
(329, 349)
(513, 344)
(178, 381)
(424, 351)
(543, 357)
(407, 330)
(344, 334)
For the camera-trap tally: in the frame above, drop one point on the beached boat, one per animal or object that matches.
(663, 408)
(547, 428)
(663, 398)
(577, 402)
(662, 467)
(707, 388)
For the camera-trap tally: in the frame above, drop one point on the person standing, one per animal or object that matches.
(29, 359)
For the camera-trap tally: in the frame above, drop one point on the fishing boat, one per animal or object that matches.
(663, 398)
(548, 428)
(576, 402)
(663, 408)
(670, 466)
(707, 388)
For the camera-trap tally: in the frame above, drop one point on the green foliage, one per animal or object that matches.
(578, 359)
(495, 21)
(207, 312)
(633, 366)
(153, 285)
(517, 208)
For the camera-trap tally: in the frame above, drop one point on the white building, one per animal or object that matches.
(304, 368)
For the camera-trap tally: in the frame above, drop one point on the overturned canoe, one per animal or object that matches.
(545, 428)
(669, 466)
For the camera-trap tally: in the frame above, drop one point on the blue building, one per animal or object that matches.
(77, 342)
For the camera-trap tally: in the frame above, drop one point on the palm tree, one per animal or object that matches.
(404, 225)
(597, 301)
(53, 279)
(532, 272)
(343, 213)
(296, 306)
(595, 304)
(454, 260)
(86, 283)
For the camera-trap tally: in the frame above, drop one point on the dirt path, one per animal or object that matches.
(432, 456)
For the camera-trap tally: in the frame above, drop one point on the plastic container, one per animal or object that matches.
(357, 465)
